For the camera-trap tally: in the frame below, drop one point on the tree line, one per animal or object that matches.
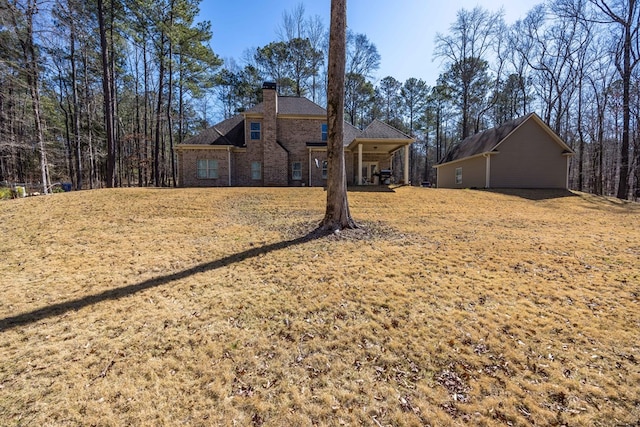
(98, 93)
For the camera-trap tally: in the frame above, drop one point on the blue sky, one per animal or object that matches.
(402, 30)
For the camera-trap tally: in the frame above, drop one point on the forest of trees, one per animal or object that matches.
(98, 93)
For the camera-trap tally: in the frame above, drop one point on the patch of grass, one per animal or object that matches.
(211, 307)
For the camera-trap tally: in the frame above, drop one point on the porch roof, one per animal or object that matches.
(381, 138)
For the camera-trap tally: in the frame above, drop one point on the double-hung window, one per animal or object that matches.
(458, 175)
(255, 130)
(296, 171)
(325, 165)
(207, 169)
(324, 132)
(256, 170)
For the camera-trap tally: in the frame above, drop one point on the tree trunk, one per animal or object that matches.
(156, 149)
(33, 81)
(169, 101)
(623, 182)
(337, 216)
(108, 101)
(76, 110)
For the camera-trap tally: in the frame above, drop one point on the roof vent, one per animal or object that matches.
(269, 85)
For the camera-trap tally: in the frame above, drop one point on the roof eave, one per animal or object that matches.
(485, 154)
(203, 147)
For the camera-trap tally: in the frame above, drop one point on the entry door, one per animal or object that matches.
(369, 171)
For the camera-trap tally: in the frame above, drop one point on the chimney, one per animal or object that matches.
(270, 112)
(270, 97)
(275, 158)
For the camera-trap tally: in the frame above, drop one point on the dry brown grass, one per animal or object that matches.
(204, 307)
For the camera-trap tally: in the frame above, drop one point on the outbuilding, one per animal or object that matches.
(522, 153)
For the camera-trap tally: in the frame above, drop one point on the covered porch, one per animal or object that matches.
(372, 157)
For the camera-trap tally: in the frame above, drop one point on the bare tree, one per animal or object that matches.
(465, 52)
(107, 83)
(337, 216)
(23, 24)
(626, 14)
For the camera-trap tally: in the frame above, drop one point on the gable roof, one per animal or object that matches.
(489, 140)
(227, 132)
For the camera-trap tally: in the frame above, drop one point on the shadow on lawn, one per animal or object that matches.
(533, 193)
(112, 294)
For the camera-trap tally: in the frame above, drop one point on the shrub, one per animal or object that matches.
(5, 193)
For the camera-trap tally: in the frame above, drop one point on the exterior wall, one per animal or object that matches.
(316, 172)
(529, 158)
(188, 159)
(293, 134)
(473, 173)
(275, 157)
(254, 153)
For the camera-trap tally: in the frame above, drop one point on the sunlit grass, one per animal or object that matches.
(208, 307)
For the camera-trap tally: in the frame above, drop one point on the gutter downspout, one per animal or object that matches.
(310, 168)
(229, 163)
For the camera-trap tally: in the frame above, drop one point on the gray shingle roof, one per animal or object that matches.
(380, 130)
(350, 133)
(293, 105)
(483, 142)
(227, 132)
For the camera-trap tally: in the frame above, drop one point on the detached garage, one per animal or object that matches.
(522, 153)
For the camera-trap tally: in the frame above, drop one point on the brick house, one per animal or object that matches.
(283, 142)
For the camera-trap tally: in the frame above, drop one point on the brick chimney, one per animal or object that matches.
(275, 156)
(270, 113)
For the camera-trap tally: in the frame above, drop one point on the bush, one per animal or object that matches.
(5, 193)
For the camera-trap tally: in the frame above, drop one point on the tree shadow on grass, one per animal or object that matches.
(113, 294)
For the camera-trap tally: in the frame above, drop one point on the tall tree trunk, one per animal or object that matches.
(68, 150)
(33, 82)
(138, 120)
(623, 182)
(146, 114)
(76, 110)
(108, 101)
(337, 216)
(156, 151)
(169, 101)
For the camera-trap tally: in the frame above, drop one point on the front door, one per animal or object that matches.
(369, 171)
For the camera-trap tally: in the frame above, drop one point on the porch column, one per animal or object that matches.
(487, 178)
(406, 165)
(359, 164)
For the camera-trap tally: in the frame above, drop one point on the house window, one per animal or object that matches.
(296, 171)
(324, 132)
(207, 169)
(458, 175)
(256, 170)
(255, 130)
(324, 169)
